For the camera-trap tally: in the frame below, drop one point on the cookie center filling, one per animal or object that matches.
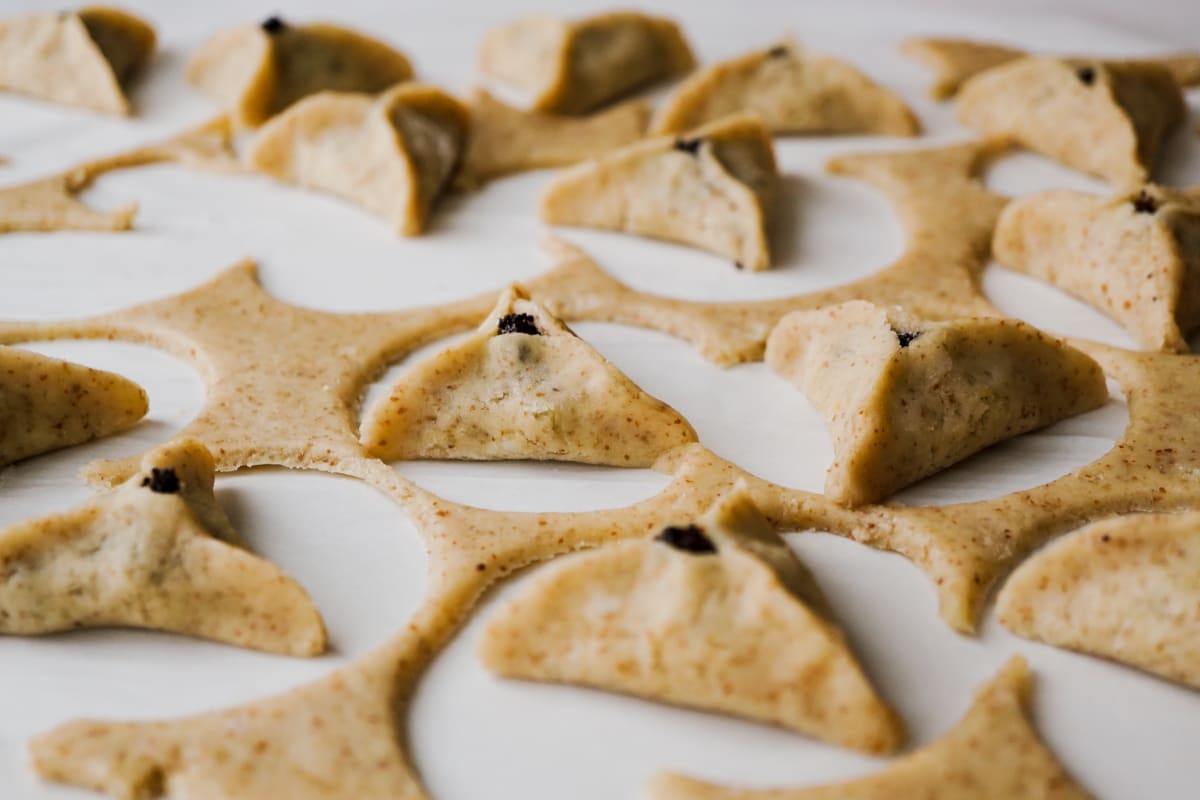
(689, 146)
(273, 25)
(1086, 75)
(162, 481)
(517, 323)
(1144, 203)
(905, 337)
(689, 539)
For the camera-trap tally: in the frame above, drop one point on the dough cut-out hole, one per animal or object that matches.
(1026, 461)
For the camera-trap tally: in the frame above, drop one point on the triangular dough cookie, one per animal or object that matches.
(85, 59)
(953, 61)
(256, 71)
(522, 387)
(392, 154)
(711, 189)
(1106, 118)
(46, 404)
(793, 91)
(576, 67)
(992, 754)
(154, 552)
(1136, 256)
(714, 615)
(1126, 589)
(904, 397)
(506, 139)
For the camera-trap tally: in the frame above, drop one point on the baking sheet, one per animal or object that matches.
(1123, 734)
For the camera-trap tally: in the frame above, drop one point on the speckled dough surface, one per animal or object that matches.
(1126, 589)
(392, 155)
(155, 552)
(1134, 256)
(792, 90)
(992, 754)
(689, 617)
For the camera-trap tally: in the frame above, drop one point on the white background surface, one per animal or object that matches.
(1124, 735)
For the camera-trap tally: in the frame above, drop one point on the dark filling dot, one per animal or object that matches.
(1087, 75)
(739, 265)
(1106, 538)
(689, 146)
(1144, 203)
(273, 25)
(162, 481)
(689, 539)
(517, 323)
(777, 52)
(906, 337)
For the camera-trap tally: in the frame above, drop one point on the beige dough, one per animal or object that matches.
(257, 70)
(712, 189)
(1126, 589)
(1135, 256)
(155, 552)
(992, 754)
(792, 91)
(524, 386)
(953, 61)
(1106, 118)
(505, 140)
(713, 614)
(47, 404)
(392, 155)
(85, 58)
(51, 204)
(903, 397)
(573, 67)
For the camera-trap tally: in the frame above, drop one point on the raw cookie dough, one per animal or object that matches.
(51, 204)
(1134, 256)
(792, 91)
(716, 614)
(953, 61)
(992, 754)
(47, 404)
(1106, 118)
(85, 58)
(255, 71)
(392, 155)
(712, 189)
(1126, 589)
(155, 552)
(505, 140)
(523, 386)
(573, 67)
(904, 397)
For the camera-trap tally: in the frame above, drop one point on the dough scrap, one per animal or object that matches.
(712, 190)
(47, 404)
(523, 386)
(51, 204)
(155, 552)
(392, 155)
(1134, 256)
(954, 61)
(1126, 589)
(993, 753)
(1105, 118)
(257, 70)
(904, 397)
(573, 67)
(686, 618)
(505, 140)
(85, 58)
(793, 91)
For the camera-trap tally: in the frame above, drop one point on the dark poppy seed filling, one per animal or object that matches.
(273, 25)
(517, 323)
(738, 265)
(162, 481)
(689, 146)
(905, 337)
(779, 51)
(1087, 75)
(689, 539)
(1144, 203)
